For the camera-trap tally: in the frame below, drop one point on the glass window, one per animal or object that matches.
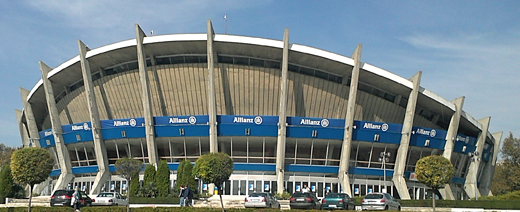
(256, 147)
(303, 151)
(363, 155)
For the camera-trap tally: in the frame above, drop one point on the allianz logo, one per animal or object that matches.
(256, 120)
(84, 126)
(430, 133)
(323, 122)
(384, 127)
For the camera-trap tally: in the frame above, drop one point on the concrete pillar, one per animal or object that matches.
(349, 123)
(30, 121)
(447, 192)
(489, 167)
(99, 143)
(282, 116)
(147, 102)
(402, 152)
(212, 104)
(471, 183)
(61, 150)
(159, 90)
(24, 135)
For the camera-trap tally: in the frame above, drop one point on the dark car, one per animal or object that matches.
(338, 201)
(63, 198)
(304, 200)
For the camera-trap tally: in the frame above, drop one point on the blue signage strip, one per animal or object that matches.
(45, 133)
(378, 126)
(181, 120)
(248, 120)
(85, 126)
(182, 130)
(316, 122)
(429, 133)
(119, 123)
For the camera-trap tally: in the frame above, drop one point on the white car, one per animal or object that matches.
(261, 200)
(109, 198)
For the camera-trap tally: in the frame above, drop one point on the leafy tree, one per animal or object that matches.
(507, 172)
(134, 185)
(162, 179)
(6, 182)
(149, 174)
(434, 171)
(5, 154)
(185, 174)
(128, 168)
(30, 166)
(214, 168)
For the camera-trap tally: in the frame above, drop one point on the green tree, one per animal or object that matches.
(149, 174)
(162, 179)
(6, 182)
(507, 172)
(214, 168)
(434, 171)
(5, 154)
(30, 166)
(134, 185)
(185, 174)
(128, 168)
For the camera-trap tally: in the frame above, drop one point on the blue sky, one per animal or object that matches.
(464, 48)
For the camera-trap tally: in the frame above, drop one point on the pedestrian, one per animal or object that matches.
(181, 195)
(188, 195)
(305, 189)
(75, 199)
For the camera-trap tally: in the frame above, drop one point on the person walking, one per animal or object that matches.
(75, 199)
(181, 195)
(188, 195)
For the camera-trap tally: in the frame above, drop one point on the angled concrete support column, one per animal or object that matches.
(24, 135)
(99, 143)
(489, 168)
(471, 183)
(349, 123)
(402, 152)
(212, 104)
(282, 116)
(447, 192)
(147, 102)
(61, 150)
(34, 136)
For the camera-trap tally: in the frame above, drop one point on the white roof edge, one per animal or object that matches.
(262, 42)
(174, 37)
(248, 40)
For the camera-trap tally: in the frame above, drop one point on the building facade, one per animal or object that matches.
(289, 115)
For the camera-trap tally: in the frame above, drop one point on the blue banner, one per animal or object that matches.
(377, 126)
(181, 120)
(133, 122)
(45, 133)
(316, 122)
(253, 120)
(427, 132)
(85, 126)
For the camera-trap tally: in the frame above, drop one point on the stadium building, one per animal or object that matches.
(289, 115)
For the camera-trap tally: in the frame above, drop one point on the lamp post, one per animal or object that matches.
(475, 158)
(384, 159)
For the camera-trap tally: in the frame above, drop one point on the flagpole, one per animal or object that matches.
(225, 18)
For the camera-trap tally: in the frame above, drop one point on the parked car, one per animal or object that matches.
(380, 201)
(261, 200)
(304, 200)
(109, 198)
(338, 201)
(63, 198)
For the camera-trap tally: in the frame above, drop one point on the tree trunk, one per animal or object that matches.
(220, 194)
(30, 197)
(128, 196)
(433, 201)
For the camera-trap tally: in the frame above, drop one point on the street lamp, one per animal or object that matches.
(384, 158)
(475, 158)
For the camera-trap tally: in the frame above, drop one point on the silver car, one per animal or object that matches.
(380, 201)
(261, 200)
